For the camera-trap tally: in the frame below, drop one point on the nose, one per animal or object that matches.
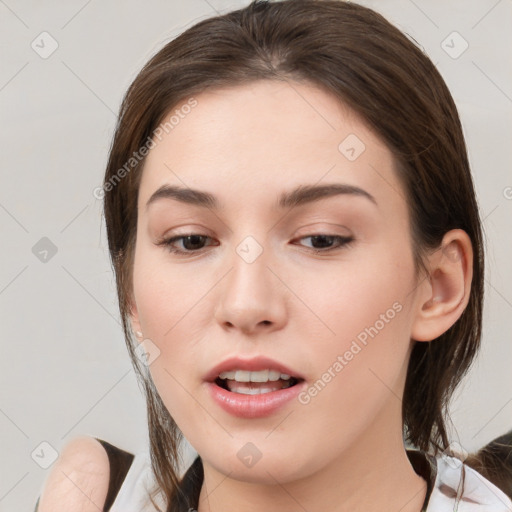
(252, 297)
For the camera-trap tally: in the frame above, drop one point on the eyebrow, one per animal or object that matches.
(301, 195)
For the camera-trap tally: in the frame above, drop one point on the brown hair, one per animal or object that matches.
(494, 462)
(357, 55)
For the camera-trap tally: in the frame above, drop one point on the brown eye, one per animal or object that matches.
(190, 243)
(324, 243)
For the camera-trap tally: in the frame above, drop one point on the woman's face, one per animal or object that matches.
(338, 310)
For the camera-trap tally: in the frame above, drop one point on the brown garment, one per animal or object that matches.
(120, 462)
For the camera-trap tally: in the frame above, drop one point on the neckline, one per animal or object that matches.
(424, 464)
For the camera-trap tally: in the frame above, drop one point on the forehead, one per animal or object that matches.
(260, 139)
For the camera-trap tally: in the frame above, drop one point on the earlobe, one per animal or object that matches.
(442, 298)
(134, 320)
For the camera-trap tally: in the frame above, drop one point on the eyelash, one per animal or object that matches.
(344, 241)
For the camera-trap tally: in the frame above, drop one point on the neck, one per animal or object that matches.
(372, 475)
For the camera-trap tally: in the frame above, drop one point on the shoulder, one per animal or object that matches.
(79, 479)
(85, 451)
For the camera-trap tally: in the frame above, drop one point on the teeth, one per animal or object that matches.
(252, 391)
(260, 376)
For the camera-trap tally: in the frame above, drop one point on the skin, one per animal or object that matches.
(79, 479)
(342, 451)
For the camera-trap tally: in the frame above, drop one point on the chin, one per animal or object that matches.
(268, 470)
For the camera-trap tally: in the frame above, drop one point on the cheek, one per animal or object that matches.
(166, 294)
(169, 304)
(348, 298)
(359, 371)
(361, 328)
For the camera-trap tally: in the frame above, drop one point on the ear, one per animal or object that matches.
(444, 293)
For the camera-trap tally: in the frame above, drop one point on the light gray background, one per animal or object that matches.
(65, 370)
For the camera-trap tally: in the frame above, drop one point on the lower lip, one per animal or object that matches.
(253, 406)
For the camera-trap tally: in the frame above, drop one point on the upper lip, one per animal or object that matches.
(253, 364)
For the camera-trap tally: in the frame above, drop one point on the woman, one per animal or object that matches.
(298, 253)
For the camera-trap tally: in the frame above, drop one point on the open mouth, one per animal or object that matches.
(256, 388)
